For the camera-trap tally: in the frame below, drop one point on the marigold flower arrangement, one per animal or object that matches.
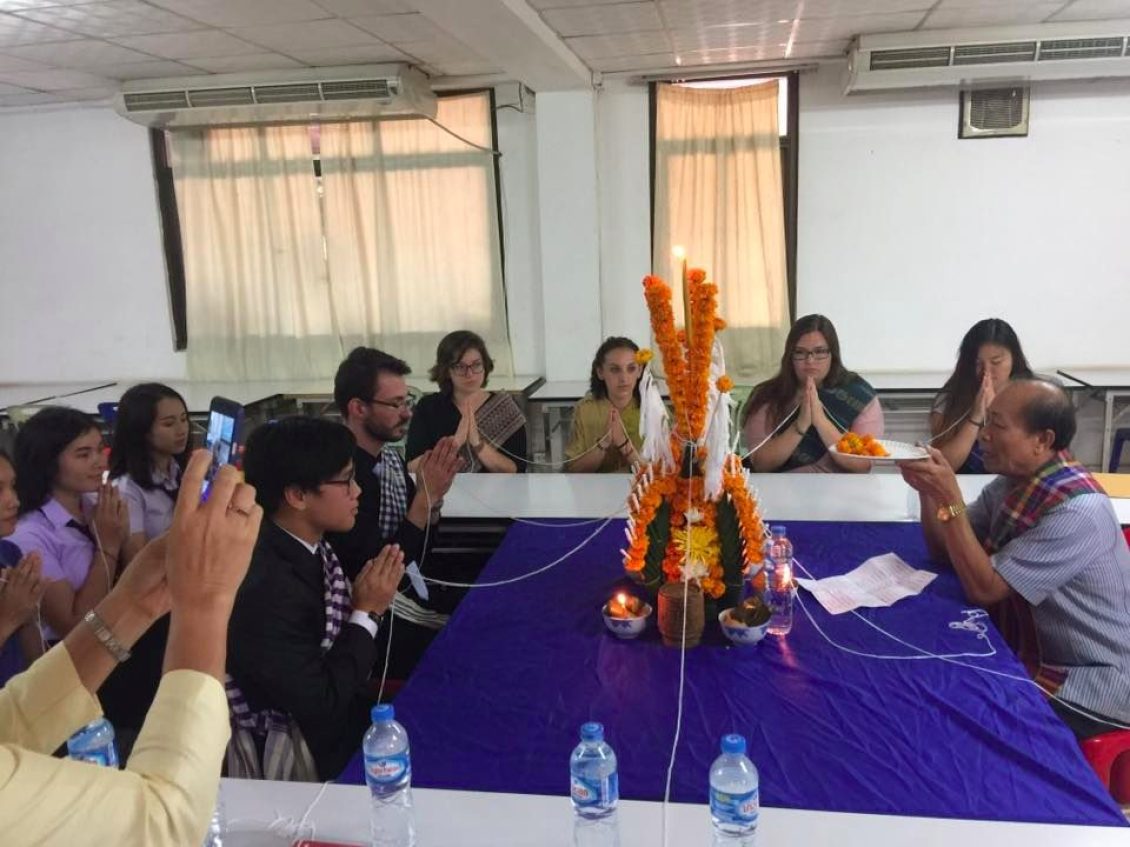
(692, 516)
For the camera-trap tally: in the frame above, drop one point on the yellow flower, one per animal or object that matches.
(643, 356)
(697, 544)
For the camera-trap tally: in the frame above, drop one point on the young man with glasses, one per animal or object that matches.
(302, 638)
(372, 395)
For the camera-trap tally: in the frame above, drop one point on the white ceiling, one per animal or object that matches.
(69, 50)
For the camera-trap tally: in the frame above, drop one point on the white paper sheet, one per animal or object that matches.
(880, 581)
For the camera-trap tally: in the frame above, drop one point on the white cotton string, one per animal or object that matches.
(102, 553)
(682, 680)
(770, 436)
(950, 659)
(388, 653)
(555, 465)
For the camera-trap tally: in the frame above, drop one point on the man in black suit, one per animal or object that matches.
(372, 395)
(302, 641)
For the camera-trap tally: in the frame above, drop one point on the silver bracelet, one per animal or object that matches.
(105, 637)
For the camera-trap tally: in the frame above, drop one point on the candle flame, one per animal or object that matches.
(679, 252)
(621, 598)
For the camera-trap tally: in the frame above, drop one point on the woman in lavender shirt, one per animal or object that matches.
(77, 523)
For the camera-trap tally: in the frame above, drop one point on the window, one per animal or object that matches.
(302, 242)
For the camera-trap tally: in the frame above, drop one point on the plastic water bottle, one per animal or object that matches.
(388, 773)
(94, 743)
(593, 784)
(596, 832)
(734, 801)
(780, 590)
(214, 836)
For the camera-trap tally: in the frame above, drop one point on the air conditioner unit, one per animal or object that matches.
(989, 56)
(305, 95)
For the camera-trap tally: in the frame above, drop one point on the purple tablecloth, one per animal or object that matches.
(496, 703)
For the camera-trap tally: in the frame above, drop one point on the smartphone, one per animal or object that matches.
(225, 436)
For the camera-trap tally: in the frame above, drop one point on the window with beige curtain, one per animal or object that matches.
(718, 194)
(395, 245)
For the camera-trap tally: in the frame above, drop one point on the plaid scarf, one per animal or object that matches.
(285, 754)
(1058, 481)
(393, 505)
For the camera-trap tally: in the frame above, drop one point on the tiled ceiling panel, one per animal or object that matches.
(55, 50)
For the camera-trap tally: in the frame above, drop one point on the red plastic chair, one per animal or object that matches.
(1109, 755)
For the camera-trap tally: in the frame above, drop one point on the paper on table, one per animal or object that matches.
(880, 581)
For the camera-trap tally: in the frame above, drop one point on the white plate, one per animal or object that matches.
(900, 451)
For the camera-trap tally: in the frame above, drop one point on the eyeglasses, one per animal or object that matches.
(462, 369)
(345, 482)
(408, 403)
(819, 354)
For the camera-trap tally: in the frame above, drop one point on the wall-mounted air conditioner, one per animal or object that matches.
(305, 95)
(989, 56)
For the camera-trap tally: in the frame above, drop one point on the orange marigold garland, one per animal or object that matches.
(714, 542)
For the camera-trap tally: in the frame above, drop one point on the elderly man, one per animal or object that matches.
(1042, 548)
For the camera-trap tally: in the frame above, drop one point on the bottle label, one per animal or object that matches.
(734, 808)
(386, 770)
(595, 792)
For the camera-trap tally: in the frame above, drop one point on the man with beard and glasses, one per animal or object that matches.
(372, 395)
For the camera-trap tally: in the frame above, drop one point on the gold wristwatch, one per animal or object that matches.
(948, 513)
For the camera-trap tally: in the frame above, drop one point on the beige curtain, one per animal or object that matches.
(258, 303)
(412, 232)
(718, 193)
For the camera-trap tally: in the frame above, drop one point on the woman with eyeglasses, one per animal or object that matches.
(488, 426)
(808, 404)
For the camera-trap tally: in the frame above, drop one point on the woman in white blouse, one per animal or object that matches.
(152, 442)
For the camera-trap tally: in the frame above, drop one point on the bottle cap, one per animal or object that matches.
(382, 712)
(592, 731)
(779, 529)
(733, 744)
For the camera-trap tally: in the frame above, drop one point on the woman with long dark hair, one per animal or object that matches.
(605, 437)
(811, 399)
(152, 443)
(488, 426)
(989, 356)
(77, 523)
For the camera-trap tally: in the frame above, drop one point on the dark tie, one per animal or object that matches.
(84, 529)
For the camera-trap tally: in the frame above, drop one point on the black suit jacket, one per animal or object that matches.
(365, 540)
(275, 653)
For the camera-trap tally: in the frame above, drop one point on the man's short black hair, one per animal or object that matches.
(1049, 409)
(357, 375)
(300, 451)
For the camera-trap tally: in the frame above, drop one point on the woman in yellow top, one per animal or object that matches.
(606, 422)
(166, 792)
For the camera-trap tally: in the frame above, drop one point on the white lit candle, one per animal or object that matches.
(681, 255)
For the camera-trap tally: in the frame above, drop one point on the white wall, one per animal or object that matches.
(907, 235)
(84, 292)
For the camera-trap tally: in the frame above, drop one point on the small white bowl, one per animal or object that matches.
(739, 634)
(626, 627)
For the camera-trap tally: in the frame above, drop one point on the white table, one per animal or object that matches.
(1114, 383)
(474, 819)
(781, 497)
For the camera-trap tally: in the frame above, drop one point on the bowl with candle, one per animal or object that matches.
(625, 615)
(745, 624)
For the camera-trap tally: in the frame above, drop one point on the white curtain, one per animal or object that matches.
(718, 193)
(397, 246)
(257, 291)
(412, 232)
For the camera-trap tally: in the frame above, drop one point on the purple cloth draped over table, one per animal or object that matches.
(496, 703)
